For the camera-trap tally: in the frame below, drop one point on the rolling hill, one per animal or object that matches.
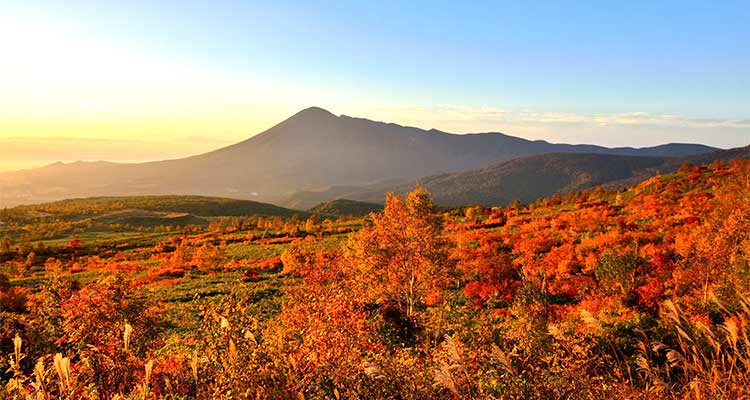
(143, 218)
(310, 151)
(341, 207)
(161, 206)
(533, 177)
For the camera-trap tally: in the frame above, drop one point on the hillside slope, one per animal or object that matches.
(533, 177)
(195, 205)
(341, 207)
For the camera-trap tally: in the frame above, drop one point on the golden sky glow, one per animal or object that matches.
(78, 82)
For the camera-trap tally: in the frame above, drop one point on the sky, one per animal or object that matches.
(142, 80)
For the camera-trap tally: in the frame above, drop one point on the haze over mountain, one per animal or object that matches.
(528, 178)
(312, 150)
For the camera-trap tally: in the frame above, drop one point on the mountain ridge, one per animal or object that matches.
(530, 177)
(311, 150)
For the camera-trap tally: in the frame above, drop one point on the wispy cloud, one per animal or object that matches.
(636, 128)
(441, 114)
(445, 113)
(632, 118)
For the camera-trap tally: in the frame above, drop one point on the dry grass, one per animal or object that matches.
(708, 361)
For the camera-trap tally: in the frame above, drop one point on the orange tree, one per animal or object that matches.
(401, 259)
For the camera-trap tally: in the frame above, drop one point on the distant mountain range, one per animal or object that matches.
(314, 151)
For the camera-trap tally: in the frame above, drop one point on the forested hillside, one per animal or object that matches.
(527, 179)
(340, 207)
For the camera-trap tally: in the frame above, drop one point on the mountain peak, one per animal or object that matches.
(314, 112)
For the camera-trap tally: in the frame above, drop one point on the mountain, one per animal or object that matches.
(312, 150)
(342, 207)
(533, 177)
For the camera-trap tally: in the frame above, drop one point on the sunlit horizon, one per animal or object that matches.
(109, 82)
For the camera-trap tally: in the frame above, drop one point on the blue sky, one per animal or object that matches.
(649, 72)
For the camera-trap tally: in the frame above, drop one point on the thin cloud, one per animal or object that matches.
(633, 128)
(444, 113)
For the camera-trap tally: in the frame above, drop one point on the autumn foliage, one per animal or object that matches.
(641, 292)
